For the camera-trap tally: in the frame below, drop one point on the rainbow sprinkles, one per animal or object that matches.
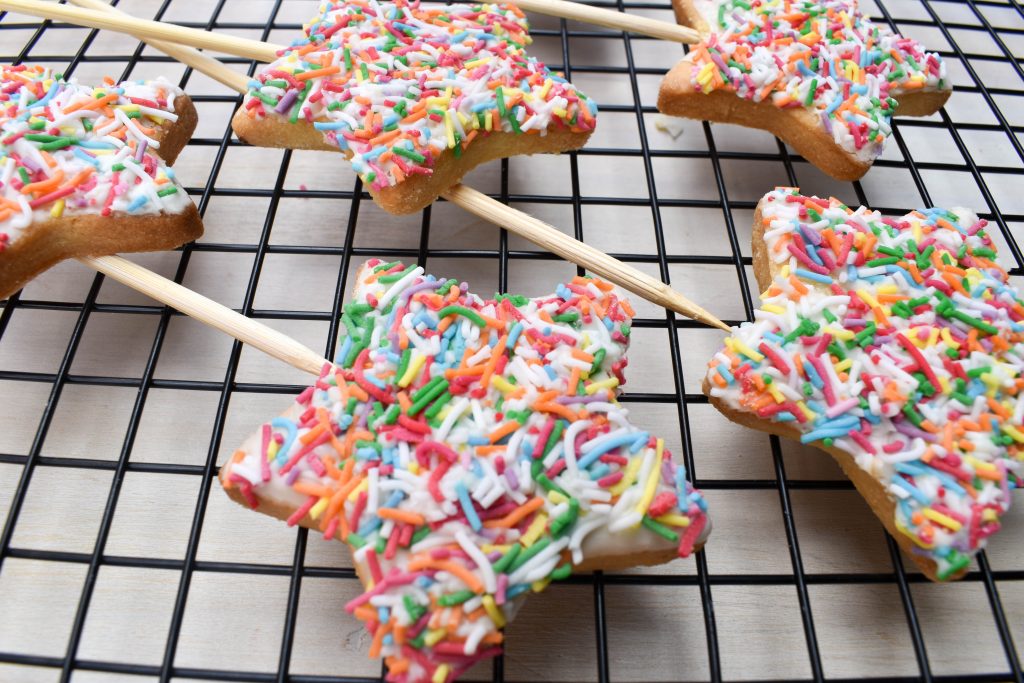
(70, 149)
(900, 342)
(823, 55)
(396, 85)
(470, 451)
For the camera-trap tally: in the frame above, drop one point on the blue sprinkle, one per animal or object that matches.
(467, 508)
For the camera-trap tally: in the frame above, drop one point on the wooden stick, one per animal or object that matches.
(213, 68)
(143, 28)
(522, 224)
(146, 29)
(577, 252)
(610, 19)
(204, 310)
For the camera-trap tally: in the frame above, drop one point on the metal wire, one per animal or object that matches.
(683, 396)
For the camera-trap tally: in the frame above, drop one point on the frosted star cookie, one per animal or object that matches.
(415, 95)
(85, 171)
(897, 346)
(469, 451)
(819, 75)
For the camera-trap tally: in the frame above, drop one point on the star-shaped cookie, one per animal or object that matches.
(85, 171)
(415, 94)
(897, 345)
(818, 74)
(469, 451)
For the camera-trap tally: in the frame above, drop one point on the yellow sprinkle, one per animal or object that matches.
(477, 62)
(673, 519)
(944, 520)
(363, 485)
(989, 515)
(887, 289)
(435, 636)
(320, 506)
(916, 226)
(272, 450)
(845, 365)
(652, 479)
(595, 387)
(556, 497)
(489, 548)
(845, 335)
(950, 342)
(785, 270)
(867, 297)
(739, 347)
(543, 94)
(449, 128)
(414, 467)
(560, 113)
(493, 611)
(487, 122)
(415, 365)
(440, 674)
(58, 209)
(537, 527)
(502, 384)
(944, 384)
(776, 394)
(462, 118)
(811, 415)
(540, 584)
(773, 308)
(129, 108)
(628, 478)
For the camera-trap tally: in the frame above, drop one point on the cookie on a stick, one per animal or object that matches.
(897, 346)
(415, 95)
(524, 113)
(816, 73)
(85, 171)
(469, 451)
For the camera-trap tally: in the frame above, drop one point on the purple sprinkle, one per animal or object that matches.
(140, 151)
(513, 480)
(286, 101)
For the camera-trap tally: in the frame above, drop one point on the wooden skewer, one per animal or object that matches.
(577, 252)
(610, 19)
(204, 310)
(161, 31)
(515, 221)
(150, 30)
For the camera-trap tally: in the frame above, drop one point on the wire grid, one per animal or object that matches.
(726, 150)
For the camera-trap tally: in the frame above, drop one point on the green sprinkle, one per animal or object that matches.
(809, 100)
(468, 313)
(23, 174)
(598, 359)
(562, 573)
(415, 611)
(427, 395)
(59, 143)
(565, 520)
(169, 190)
(444, 288)
(460, 597)
(409, 154)
(355, 540)
(392, 413)
(660, 529)
(508, 558)
(438, 405)
(570, 317)
(530, 553)
(391, 278)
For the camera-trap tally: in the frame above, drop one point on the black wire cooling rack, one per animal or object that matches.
(982, 153)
